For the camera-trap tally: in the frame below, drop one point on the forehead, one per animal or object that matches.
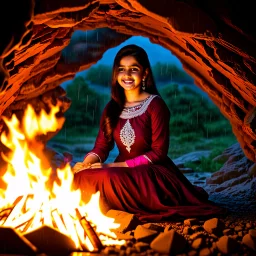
(129, 61)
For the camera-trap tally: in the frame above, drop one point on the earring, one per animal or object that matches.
(143, 87)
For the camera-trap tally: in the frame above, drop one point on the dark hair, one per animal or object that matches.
(116, 104)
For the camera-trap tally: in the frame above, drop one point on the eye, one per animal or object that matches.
(120, 69)
(134, 69)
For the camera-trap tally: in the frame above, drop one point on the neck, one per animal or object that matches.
(133, 99)
(133, 96)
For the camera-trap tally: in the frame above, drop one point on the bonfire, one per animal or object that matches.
(31, 199)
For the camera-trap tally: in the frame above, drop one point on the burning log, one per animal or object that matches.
(19, 216)
(4, 214)
(90, 232)
(58, 222)
(15, 211)
(74, 228)
(63, 226)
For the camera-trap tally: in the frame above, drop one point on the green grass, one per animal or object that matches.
(206, 165)
(187, 143)
(179, 146)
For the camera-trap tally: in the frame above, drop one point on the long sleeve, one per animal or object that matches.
(159, 122)
(160, 117)
(101, 147)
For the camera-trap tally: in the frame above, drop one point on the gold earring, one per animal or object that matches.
(143, 87)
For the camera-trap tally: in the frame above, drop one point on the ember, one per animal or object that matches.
(30, 201)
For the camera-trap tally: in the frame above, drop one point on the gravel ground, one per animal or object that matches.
(234, 234)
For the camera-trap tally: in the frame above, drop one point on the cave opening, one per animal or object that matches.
(199, 132)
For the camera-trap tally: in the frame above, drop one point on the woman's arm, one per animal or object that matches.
(160, 118)
(100, 151)
(90, 159)
(102, 147)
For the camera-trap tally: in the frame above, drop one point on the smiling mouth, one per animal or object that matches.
(128, 82)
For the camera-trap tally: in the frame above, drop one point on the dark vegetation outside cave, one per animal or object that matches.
(196, 123)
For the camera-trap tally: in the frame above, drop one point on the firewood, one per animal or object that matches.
(4, 213)
(90, 232)
(58, 221)
(15, 211)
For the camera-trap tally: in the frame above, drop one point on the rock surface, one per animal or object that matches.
(215, 43)
(234, 185)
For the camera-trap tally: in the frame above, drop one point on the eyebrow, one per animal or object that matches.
(133, 65)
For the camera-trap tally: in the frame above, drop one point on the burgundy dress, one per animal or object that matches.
(155, 190)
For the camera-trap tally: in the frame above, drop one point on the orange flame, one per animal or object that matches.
(27, 185)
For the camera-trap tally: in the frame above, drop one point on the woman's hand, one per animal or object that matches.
(79, 166)
(101, 165)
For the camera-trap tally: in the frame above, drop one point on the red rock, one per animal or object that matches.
(197, 243)
(142, 234)
(169, 243)
(141, 246)
(249, 241)
(227, 245)
(214, 226)
(154, 227)
(252, 233)
(126, 220)
(191, 222)
(227, 232)
(205, 252)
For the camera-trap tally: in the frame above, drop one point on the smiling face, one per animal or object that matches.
(130, 74)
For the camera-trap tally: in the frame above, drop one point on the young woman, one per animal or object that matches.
(142, 180)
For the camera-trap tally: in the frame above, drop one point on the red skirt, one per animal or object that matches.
(151, 192)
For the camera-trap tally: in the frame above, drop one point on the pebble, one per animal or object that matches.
(232, 235)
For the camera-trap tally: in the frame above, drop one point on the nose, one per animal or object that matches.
(127, 72)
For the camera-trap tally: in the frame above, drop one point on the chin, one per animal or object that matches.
(129, 87)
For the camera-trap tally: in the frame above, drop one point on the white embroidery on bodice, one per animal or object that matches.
(130, 112)
(127, 133)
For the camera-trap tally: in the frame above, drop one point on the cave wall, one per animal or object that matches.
(215, 41)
